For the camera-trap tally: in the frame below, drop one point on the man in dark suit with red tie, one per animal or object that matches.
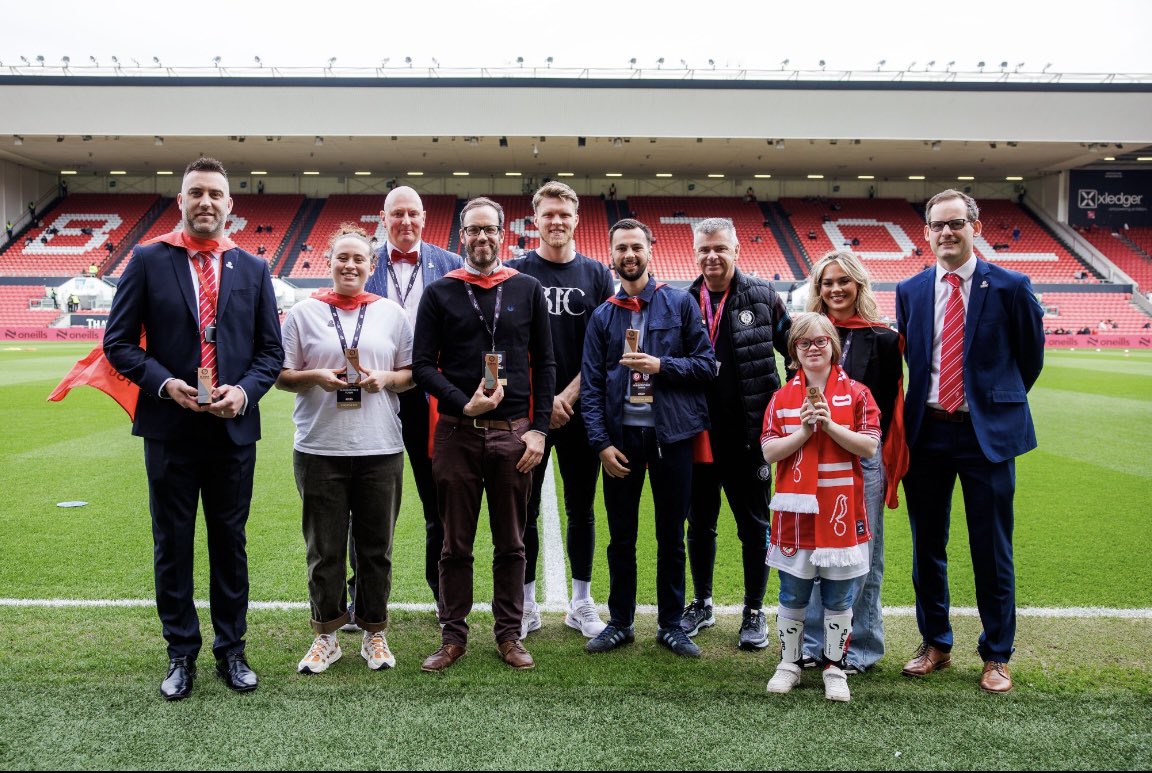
(407, 264)
(213, 350)
(975, 346)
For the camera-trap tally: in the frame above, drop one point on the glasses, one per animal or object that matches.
(804, 344)
(953, 225)
(475, 230)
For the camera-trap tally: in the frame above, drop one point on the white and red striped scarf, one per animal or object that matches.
(819, 499)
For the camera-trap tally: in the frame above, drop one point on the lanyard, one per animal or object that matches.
(403, 295)
(496, 320)
(356, 337)
(847, 346)
(712, 318)
(204, 284)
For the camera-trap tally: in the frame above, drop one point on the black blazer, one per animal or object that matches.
(875, 361)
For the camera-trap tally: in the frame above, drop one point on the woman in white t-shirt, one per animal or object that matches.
(347, 354)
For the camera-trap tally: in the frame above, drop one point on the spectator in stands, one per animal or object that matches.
(746, 319)
(73, 302)
(821, 420)
(261, 250)
(1146, 326)
(1016, 233)
(1084, 331)
(31, 210)
(574, 286)
(92, 269)
(966, 415)
(110, 246)
(811, 234)
(647, 360)
(488, 439)
(842, 290)
(612, 192)
(407, 265)
(1104, 326)
(260, 186)
(55, 299)
(9, 229)
(348, 349)
(198, 412)
(306, 264)
(749, 195)
(259, 229)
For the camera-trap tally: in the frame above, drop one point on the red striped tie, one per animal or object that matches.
(207, 310)
(952, 349)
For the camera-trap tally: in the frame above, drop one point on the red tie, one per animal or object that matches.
(405, 257)
(208, 295)
(952, 349)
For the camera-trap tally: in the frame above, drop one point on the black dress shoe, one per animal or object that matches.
(235, 672)
(177, 685)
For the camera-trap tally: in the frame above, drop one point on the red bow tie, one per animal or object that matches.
(405, 257)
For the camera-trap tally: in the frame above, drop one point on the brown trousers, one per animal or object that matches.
(468, 462)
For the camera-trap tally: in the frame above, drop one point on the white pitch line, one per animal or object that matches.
(552, 546)
(647, 609)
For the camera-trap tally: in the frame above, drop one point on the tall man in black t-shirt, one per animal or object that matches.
(574, 285)
(485, 353)
(745, 320)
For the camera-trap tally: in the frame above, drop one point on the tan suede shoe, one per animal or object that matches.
(443, 657)
(514, 654)
(995, 677)
(928, 659)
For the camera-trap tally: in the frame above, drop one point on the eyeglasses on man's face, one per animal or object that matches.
(476, 230)
(953, 225)
(804, 344)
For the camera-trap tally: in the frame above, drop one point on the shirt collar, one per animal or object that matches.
(645, 294)
(965, 272)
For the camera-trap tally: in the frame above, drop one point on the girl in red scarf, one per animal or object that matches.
(873, 355)
(816, 428)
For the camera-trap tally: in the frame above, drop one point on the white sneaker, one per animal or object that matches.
(325, 651)
(531, 620)
(582, 616)
(375, 651)
(786, 677)
(836, 685)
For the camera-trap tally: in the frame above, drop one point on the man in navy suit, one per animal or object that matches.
(407, 264)
(966, 415)
(185, 290)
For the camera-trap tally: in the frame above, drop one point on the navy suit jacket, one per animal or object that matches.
(434, 263)
(156, 294)
(1003, 355)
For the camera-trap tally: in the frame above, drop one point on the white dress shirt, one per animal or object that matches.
(942, 291)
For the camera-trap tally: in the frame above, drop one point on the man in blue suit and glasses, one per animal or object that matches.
(974, 346)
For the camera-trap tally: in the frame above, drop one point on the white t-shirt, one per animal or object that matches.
(311, 341)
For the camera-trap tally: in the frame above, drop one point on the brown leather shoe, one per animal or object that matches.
(995, 677)
(514, 654)
(443, 657)
(928, 658)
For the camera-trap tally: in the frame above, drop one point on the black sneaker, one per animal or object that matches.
(676, 639)
(754, 630)
(697, 615)
(808, 661)
(610, 638)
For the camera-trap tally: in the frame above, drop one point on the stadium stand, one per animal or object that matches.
(69, 251)
(364, 210)
(671, 219)
(1124, 249)
(1075, 311)
(15, 311)
(248, 213)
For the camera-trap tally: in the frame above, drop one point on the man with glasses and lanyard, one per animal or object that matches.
(974, 347)
(406, 266)
(484, 350)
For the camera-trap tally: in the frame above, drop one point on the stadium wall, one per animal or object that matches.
(19, 185)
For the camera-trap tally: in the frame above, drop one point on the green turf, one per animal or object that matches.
(79, 686)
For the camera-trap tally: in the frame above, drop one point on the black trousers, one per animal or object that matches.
(579, 469)
(671, 469)
(210, 468)
(747, 484)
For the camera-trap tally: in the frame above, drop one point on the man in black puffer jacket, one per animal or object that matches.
(746, 319)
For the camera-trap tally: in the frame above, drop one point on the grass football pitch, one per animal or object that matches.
(78, 685)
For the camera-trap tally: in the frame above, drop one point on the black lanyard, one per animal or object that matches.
(403, 296)
(496, 320)
(847, 346)
(340, 330)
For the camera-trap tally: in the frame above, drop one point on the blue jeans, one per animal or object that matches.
(867, 644)
(796, 592)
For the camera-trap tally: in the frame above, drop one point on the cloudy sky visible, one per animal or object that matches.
(1097, 36)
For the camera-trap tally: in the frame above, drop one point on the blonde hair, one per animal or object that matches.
(849, 263)
(810, 324)
(554, 189)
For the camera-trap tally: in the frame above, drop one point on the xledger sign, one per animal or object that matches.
(1110, 199)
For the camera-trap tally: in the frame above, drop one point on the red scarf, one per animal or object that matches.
(819, 500)
(485, 282)
(191, 243)
(346, 302)
(632, 302)
(895, 449)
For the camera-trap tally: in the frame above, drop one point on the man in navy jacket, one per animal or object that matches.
(191, 450)
(971, 427)
(642, 409)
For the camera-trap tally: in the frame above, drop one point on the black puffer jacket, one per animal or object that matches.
(757, 322)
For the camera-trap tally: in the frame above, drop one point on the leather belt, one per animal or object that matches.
(504, 424)
(959, 417)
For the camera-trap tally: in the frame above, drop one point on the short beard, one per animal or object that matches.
(640, 269)
(478, 264)
(199, 229)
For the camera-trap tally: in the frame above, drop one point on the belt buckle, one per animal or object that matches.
(473, 421)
